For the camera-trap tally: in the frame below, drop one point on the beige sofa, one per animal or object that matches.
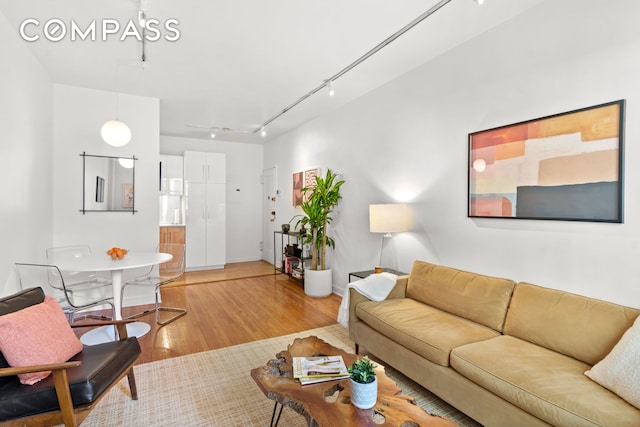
(505, 354)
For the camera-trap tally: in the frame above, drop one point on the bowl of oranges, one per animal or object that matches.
(117, 253)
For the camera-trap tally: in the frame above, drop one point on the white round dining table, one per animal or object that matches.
(104, 262)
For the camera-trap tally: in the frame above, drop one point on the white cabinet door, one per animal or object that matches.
(216, 225)
(195, 166)
(196, 224)
(216, 168)
(205, 187)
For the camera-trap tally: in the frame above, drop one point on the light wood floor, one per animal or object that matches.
(247, 302)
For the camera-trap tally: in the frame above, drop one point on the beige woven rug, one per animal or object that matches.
(215, 388)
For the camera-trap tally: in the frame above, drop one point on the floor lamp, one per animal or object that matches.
(387, 219)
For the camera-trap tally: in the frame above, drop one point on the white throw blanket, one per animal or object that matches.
(376, 287)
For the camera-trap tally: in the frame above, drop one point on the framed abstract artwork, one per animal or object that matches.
(567, 166)
(298, 184)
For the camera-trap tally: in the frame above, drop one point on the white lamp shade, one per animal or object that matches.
(388, 218)
(115, 133)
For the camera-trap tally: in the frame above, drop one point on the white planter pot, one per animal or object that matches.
(317, 283)
(364, 396)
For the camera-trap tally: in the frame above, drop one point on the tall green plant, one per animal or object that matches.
(319, 202)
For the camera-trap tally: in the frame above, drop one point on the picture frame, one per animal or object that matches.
(99, 189)
(298, 184)
(566, 166)
(127, 195)
(310, 179)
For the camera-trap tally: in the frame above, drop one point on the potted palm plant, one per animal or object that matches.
(318, 204)
(363, 382)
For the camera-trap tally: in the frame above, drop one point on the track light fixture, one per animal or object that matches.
(212, 134)
(330, 87)
(142, 18)
(479, 2)
(329, 82)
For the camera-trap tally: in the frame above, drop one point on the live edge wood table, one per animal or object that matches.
(327, 404)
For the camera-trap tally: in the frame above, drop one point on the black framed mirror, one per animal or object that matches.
(108, 184)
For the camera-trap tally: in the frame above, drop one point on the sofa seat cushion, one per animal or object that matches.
(101, 365)
(425, 330)
(548, 385)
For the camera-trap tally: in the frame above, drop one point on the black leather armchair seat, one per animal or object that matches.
(101, 367)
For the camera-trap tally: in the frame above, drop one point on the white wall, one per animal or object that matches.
(244, 191)
(79, 114)
(26, 102)
(408, 141)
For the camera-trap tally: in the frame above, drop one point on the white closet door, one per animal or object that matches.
(196, 224)
(216, 167)
(195, 166)
(216, 224)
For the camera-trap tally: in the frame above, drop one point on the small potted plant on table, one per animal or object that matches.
(364, 384)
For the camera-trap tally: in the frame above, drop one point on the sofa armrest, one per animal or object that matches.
(355, 298)
(400, 289)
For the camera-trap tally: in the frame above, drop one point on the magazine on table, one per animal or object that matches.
(309, 370)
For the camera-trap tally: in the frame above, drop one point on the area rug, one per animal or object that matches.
(215, 388)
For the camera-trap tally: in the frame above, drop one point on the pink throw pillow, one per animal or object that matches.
(37, 335)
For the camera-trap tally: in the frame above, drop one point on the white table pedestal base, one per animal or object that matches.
(106, 333)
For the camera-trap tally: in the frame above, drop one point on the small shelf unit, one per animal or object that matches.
(289, 257)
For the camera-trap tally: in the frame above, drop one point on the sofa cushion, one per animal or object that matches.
(479, 298)
(620, 370)
(580, 327)
(546, 384)
(427, 331)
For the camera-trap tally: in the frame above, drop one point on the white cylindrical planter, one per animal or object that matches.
(364, 396)
(317, 283)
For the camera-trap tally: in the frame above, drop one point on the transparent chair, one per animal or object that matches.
(159, 276)
(73, 278)
(72, 300)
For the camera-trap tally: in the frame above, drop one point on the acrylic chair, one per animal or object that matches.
(73, 278)
(71, 299)
(160, 276)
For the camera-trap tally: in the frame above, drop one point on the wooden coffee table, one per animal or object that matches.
(328, 404)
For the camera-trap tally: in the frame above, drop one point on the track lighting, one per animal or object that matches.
(142, 18)
(330, 87)
(479, 2)
(213, 133)
(263, 131)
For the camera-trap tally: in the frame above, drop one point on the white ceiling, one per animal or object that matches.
(238, 63)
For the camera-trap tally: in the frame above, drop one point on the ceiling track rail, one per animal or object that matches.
(357, 62)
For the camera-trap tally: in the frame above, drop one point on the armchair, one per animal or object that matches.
(74, 388)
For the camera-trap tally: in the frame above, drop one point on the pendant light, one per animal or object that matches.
(115, 132)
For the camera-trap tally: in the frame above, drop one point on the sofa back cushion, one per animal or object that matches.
(583, 328)
(482, 299)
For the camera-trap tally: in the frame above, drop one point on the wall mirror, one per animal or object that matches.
(108, 183)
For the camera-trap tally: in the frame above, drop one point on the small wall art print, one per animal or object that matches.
(99, 189)
(562, 167)
(127, 195)
(310, 180)
(298, 184)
